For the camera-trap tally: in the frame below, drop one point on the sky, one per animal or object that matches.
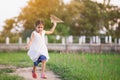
(9, 9)
(12, 8)
(113, 2)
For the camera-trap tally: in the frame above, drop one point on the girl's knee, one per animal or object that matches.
(43, 61)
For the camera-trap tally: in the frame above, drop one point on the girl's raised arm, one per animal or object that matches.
(52, 29)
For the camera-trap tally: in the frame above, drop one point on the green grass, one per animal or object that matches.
(18, 59)
(71, 66)
(9, 77)
(86, 66)
(5, 76)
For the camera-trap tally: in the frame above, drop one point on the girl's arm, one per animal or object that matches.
(29, 43)
(52, 29)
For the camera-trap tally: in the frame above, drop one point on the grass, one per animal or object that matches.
(5, 76)
(18, 59)
(71, 66)
(86, 66)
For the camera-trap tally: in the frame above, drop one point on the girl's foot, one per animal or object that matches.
(43, 76)
(34, 75)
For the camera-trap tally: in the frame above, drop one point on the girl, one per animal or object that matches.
(38, 51)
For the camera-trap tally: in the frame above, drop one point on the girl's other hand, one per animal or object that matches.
(26, 47)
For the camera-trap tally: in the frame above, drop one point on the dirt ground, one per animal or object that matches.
(27, 74)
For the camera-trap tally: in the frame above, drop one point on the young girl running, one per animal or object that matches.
(38, 51)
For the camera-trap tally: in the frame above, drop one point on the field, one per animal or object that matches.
(69, 66)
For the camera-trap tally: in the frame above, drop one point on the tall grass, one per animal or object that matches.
(71, 66)
(18, 59)
(4, 75)
(86, 66)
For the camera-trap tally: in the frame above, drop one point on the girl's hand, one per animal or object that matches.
(26, 47)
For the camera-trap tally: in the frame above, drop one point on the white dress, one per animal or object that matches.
(38, 46)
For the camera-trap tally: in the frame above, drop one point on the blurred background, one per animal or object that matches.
(85, 21)
(90, 34)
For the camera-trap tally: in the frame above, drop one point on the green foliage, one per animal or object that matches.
(2, 39)
(9, 24)
(8, 27)
(117, 31)
(81, 17)
(26, 33)
(13, 38)
(62, 29)
(37, 9)
(52, 39)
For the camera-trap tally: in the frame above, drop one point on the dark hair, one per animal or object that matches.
(38, 22)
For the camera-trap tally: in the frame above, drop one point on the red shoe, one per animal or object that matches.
(43, 76)
(34, 75)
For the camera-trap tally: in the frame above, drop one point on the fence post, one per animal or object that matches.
(84, 39)
(28, 39)
(63, 40)
(20, 40)
(119, 41)
(106, 39)
(97, 40)
(110, 39)
(80, 40)
(115, 41)
(7, 40)
(70, 39)
(94, 39)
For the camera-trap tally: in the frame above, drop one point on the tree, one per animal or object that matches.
(8, 27)
(7, 31)
(81, 17)
(39, 9)
(110, 15)
(70, 13)
(86, 19)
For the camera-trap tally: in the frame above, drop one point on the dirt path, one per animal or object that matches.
(26, 73)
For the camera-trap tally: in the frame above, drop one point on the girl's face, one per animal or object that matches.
(40, 28)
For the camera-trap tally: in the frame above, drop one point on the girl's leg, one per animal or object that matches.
(34, 75)
(43, 66)
(43, 69)
(34, 68)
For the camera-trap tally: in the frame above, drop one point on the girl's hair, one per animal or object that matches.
(38, 22)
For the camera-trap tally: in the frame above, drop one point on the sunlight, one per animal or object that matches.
(12, 8)
(9, 9)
